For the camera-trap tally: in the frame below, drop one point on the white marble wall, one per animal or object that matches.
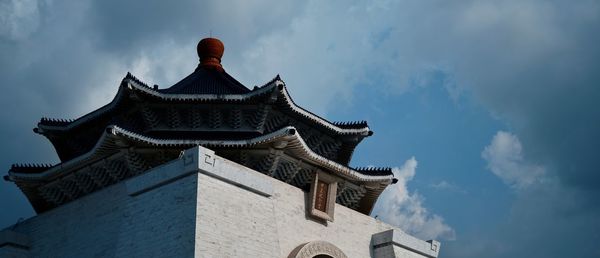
(198, 206)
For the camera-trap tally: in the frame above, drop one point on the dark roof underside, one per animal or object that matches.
(207, 81)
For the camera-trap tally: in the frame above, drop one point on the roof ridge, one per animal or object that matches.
(351, 124)
(56, 121)
(375, 170)
(30, 167)
(307, 113)
(132, 77)
(237, 83)
(277, 78)
(66, 122)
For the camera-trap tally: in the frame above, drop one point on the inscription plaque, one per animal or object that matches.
(321, 196)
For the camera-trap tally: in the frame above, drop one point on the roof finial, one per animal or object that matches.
(210, 51)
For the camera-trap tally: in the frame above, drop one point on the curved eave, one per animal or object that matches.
(289, 134)
(111, 139)
(49, 124)
(130, 83)
(351, 129)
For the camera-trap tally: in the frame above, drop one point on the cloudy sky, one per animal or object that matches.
(488, 110)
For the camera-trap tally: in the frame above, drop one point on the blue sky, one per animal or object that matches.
(487, 110)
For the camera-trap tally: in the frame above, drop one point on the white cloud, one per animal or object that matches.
(505, 159)
(18, 18)
(447, 186)
(399, 207)
(442, 185)
(331, 48)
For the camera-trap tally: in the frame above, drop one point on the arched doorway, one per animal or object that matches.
(317, 249)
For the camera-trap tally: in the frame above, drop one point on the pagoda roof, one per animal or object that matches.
(275, 89)
(35, 179)
(132, 91)
(113, 139)
(143, 127)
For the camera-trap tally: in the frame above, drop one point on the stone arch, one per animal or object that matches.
(315, 248)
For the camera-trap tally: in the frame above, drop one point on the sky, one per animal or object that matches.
(488, 111)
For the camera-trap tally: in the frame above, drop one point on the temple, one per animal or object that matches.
(260, 161)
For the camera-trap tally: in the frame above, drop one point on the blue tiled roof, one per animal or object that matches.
(207, 81)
